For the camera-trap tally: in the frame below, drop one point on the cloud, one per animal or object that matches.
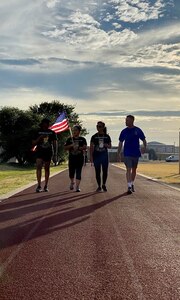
(134, 11)
(18, 62)
(112, 54)
(145, 113)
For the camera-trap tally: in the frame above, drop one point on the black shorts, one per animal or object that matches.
(45, 156)
(75, 166)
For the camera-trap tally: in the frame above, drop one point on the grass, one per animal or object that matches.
(13, 177)
(163, 171)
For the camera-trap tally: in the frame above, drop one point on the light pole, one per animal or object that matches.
(179, 150)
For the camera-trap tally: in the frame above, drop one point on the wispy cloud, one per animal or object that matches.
(96, 53)
(134, 11)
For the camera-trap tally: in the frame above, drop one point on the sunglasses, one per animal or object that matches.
(99, 126)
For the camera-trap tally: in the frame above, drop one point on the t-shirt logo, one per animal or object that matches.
(46, 143)
(101, 143)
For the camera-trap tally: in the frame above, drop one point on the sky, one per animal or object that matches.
(108, 58)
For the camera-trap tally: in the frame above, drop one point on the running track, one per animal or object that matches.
(85, 246)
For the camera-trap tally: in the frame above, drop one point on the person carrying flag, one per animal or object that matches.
(76, 145)
(45, 146)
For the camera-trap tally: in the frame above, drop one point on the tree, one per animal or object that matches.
(17, 129)
(51, 111)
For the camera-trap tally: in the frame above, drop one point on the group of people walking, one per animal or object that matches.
(76, 145)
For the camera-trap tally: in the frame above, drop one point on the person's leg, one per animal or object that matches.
(128, 164)
(79, 166)
(128, 175)
(71, 173)
(78, 177)
(105, 172)
(39, 165)
(133, 173)
(97, 166)
(47, 173)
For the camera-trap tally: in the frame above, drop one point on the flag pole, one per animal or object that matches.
(70, 130)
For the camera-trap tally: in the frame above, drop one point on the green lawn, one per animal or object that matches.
(12, 176)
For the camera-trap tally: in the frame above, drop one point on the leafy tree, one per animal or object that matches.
(51, 111)
(17, 128)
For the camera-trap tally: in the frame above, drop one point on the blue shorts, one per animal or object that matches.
(131, 162)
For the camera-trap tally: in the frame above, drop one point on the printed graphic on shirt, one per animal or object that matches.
(99, 142)
(47, 139)
(77, 143)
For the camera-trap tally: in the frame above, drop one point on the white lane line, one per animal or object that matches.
(129, 262)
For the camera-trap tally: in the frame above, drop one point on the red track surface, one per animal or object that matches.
(68, 245)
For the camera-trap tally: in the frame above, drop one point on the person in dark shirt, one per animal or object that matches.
(45, 145)
(76, 145)
(99, 145)
(130, 136)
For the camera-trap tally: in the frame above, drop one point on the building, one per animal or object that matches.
(162, 150)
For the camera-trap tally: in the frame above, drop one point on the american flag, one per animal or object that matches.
(61, 123)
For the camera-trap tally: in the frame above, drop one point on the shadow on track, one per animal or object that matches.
(51, 222)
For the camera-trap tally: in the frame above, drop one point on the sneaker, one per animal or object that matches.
(132, 187)
(78, 189)
(129, 191)
(38, 189)
(104, 188)
(98, 189)
(71, 186)
(46, 188)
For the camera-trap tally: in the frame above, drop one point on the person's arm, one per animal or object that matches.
(84, 146)
(108, 145)
(143, 139)
(69, 144)
(38, 140)
(91, 152)
(143, 149)
(119, 151)
(68, 147)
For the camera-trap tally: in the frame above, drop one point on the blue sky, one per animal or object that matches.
(109, 58)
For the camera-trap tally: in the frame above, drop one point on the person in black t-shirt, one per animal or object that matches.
(45, 144)
(76, 145)
(99, 145)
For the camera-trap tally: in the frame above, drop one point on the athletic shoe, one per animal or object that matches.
(38, 189)
(46, 188)
(129, 191)
(132, 187)
(98, 189)
(104, 188)
(71, 186)
(78, 189)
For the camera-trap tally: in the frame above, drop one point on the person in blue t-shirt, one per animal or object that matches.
(130, 137)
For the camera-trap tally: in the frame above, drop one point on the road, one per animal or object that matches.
(85, 246)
